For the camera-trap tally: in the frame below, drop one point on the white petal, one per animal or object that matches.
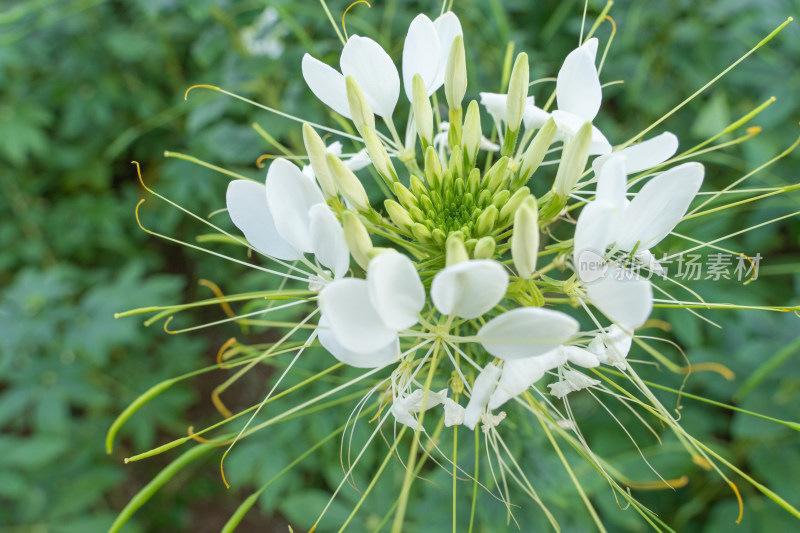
(624, 300)
(495, 104)
(659, 206)
(599, 144)
(378, 358)
(327, 240)
(448, 27)
(395, 290)
(649, 261)
(534, 117)
(481, 391)
(373, 69)
(578, 85)
(526, 332)
(290, 195)
(592, 235)
(352, 318)
(327, 84)
(579, 356)
(469, 289)
(612, 182)
(573, 381)
(358, 161)
(453, 413)
(249, 211)
(650, 153)
(421, 54)
(520, 374)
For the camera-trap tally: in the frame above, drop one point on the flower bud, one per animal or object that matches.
(525, 241)
(455, 77)
(407, 199)
(398, 214)
(318, 155)
(433, 168)
(517, 92)
(423, 113)
(456, 252)
(497, 175)
(573, 162)
(357, 238)
(417, 187)
(362, 114)
(439, 236)
(536, 151)
(380, 159)
(500, 198)
(416, 213)
(484, 248)
(510, 207)
(472, 132)
(486, 220)
(421, 233)
(474, 181)
(349, 185)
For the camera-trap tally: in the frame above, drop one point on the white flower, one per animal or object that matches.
(371, 68)
(287, 217)
(641, 223)
(469, 289)
(404, 408)
(578, 94)
(426, 48)
(572, 381)
(364, 316)
(612, 347)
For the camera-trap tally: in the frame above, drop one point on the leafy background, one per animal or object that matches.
(89, 85)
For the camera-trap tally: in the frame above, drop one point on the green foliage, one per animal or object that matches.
(88, 85)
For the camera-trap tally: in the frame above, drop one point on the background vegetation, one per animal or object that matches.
(86, 86)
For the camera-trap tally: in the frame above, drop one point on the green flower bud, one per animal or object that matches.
(398, 214)
(573, 162)
(486, 221)
(455, 78)
(416, 213)
(484, 248)
(349, 185)
(456, 252)
(433, 168)
(438, 236)
(357, 238)
(425, 203)
(510, 207)
(362, 114)
(483, 198)
(517, 92)
(423, 113)
(536, 151)
(500, 198)
(497, 175)
(472, 132)
(380, 159)
(407, 199)
(421, 233)
(317, 154)
(474, 181)
(525, 241)
(417, 187)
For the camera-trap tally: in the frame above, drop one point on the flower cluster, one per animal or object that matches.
(441, 276)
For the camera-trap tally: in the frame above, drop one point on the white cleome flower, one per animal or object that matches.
(368, 64)
(364, 316)
(426, 48)
(287, 217)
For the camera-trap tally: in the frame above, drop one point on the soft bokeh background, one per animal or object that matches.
(89, 85)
